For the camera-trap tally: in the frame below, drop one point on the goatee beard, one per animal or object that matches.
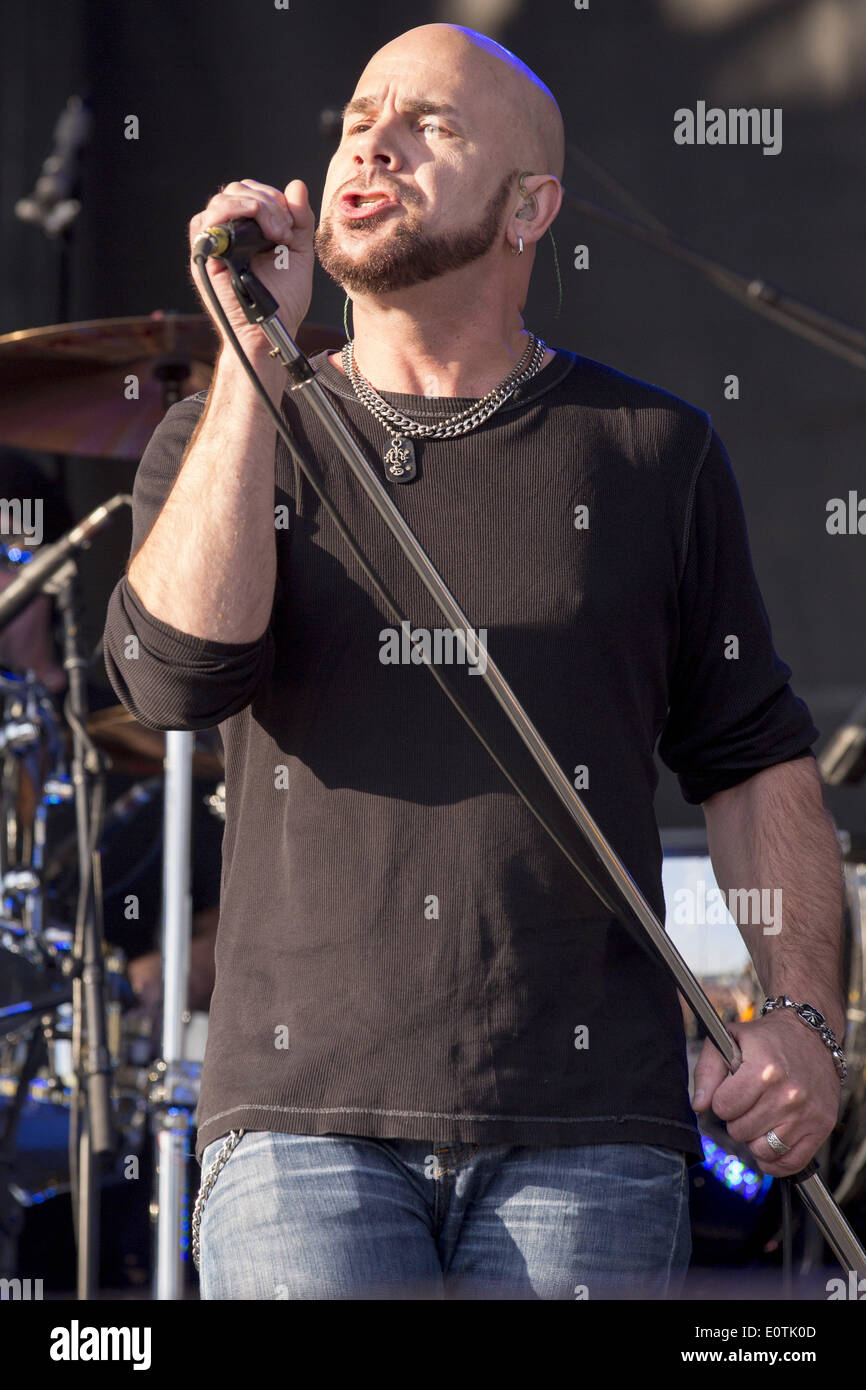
(410, 256)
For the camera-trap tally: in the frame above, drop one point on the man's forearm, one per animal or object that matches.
(773, 833)
(208, 564)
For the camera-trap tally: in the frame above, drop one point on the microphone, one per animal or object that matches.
(52, 205)
(40, 569)
(240, 239)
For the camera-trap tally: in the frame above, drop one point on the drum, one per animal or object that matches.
(40, 1166)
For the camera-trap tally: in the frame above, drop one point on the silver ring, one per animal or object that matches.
(775, 1143)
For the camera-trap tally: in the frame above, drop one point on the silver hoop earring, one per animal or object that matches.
(519, 251)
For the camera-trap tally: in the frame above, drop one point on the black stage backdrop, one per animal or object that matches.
(223, 91)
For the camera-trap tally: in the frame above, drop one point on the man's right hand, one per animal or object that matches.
(285, 218)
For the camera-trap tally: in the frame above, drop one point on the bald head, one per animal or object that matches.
(426, 179)
(525, 122)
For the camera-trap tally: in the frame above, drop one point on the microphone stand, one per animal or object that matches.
(607, 875)
(54, 204)
(174, 1093)
(96, 1138)
(817, 327)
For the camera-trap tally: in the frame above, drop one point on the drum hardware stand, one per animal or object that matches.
(97, 1138)
(54, 571)
(261, 307)
(174, 1094)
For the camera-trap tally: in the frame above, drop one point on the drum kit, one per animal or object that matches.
(39, 1084)
(66, 390)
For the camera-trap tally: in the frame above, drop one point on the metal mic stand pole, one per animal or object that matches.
(97, 1136)
(260, 307)
(173, 1096)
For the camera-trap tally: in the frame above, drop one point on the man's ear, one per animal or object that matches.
(541, 203)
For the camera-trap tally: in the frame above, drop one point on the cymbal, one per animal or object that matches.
(139, 751)
(64, 388)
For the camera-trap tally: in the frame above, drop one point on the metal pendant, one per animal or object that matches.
(400, 460)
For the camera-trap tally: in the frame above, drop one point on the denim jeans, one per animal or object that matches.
(335, 1216)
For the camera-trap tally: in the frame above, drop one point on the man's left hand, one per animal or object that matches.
(786, 1082)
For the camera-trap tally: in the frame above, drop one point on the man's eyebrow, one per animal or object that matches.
(362, 105)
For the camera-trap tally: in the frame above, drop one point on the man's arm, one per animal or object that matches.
(772, 832)
(208, 565)
(164, 676)
(187, 635)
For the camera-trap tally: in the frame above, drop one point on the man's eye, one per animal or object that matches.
(430, 124)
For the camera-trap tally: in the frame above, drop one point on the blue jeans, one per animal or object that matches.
(335, 1216)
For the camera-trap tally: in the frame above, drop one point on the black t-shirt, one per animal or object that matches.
(402, 950)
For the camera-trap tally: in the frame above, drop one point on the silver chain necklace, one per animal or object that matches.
(399, 457)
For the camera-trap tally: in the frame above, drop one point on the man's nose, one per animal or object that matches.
(377, 147)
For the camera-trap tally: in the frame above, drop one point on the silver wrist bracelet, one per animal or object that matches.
(817, 1022)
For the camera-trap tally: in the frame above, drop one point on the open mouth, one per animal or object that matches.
(355, 205)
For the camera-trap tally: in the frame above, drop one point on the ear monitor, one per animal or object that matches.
(530, 206)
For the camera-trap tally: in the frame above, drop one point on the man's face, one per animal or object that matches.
(418, 185)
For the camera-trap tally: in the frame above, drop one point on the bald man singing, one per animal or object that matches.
(437, 1066)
